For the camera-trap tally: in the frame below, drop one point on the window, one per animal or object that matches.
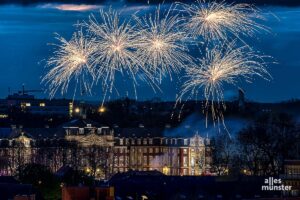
(27, 104)
(150, 150)
(81, 130)
(144, 141)
(185, 171)
(121, 141)
(145, 160)
(150, 141)
(42, 104)
(150, 158)
(185, 161)
(156, 150)
(185, 141)
(139, 141)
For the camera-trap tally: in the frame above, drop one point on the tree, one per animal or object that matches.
(265, 145)
(97, 160)
(35, 174)
(222, 149)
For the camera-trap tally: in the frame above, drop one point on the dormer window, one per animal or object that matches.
(89, 125)
(81, 130)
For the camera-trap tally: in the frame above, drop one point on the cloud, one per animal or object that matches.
(72, 7)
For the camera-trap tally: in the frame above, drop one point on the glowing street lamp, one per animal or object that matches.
(102, 109)
(77, 110)
(166, 170)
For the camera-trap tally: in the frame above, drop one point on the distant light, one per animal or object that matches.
(77, 110)
(27, 104)
(42, 104)
(102, 109)
(3, 116)
(87, 170)
(166, 170)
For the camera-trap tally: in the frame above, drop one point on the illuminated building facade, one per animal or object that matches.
(170, 155)
(102, 151)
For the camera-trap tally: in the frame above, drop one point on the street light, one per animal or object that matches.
(77, 110)
(166, 170)
(102, 109)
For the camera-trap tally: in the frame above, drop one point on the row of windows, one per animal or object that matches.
(152, 150)
(152, 160)
(149, 141)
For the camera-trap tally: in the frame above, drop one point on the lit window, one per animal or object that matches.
(145, 141)
(3, 116)
(150, 141)
(42, 104)
(145, 160)
(27, 104)
(156, 150)
(121, 141)
(185, 141)
(185, 161)
(81, 130)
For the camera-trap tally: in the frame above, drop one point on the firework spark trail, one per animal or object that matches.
(218, 21)
(116, 43)
(223, 65)
(72, 60)
(162, 47)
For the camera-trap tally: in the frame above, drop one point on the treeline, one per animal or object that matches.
(260, 149)
(257, 2)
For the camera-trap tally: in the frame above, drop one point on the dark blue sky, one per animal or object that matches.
(25, 32)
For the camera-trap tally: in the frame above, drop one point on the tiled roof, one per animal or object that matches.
(139, 132)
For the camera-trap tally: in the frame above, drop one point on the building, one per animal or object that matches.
(146, 149)
(29, 104)
(102, 151)
(291, 176)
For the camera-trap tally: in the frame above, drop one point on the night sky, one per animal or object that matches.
(25, 33)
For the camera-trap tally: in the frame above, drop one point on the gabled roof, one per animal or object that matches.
(9, 133)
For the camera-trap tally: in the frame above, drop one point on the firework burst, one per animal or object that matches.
(72, 60)
(162, 47)
(223, 65)
(214, 21)
(116, 43)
